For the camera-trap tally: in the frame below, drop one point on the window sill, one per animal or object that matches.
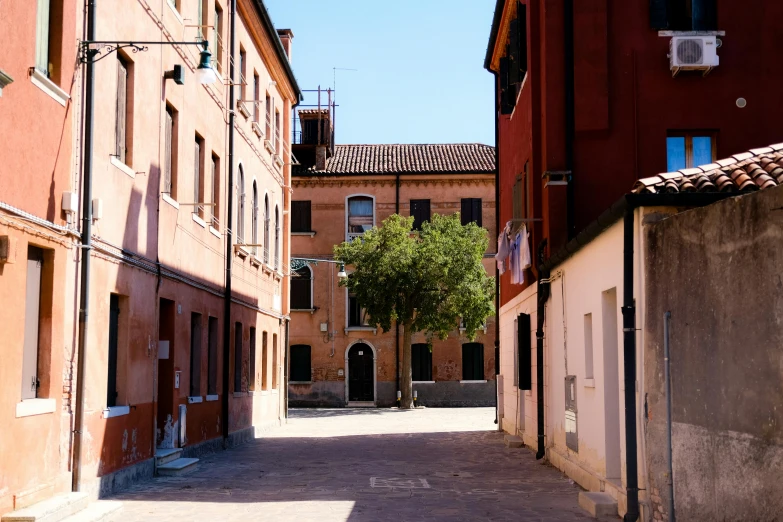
(311, 234)
(195, 400)
(478, 381)
(274, 391)
(300, 382)
(255, 261)
(115, 411)
(214, 232)
(589, 383)
(462, 330)
(49, 87)
(176, 13)
(257, 129)
(212, 398)
(168, 199)
(311, 311)
(424, 382)
(243, 110)
(268, 146)
(199, 221)
(241, 251)
(691, 33)
(240, 394)
(279, 161)
(361, 329)
(122, 167)
(30, 407)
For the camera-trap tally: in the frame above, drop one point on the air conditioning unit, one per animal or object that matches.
(693, 53)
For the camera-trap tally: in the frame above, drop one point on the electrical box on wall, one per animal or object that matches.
(70, 202)
(324, 327)
(176, 379)
(572, 438)
(7, 250)
(97, 209)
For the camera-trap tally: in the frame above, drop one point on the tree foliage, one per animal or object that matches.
(425, 281)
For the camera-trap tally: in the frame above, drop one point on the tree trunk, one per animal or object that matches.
(406, 379)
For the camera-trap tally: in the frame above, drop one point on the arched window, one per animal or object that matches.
(277, 238)
(241, 206)
(361, 215)
(266, 229)
(302, 289)
(254, 218)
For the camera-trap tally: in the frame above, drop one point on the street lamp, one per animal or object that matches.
(341, 274)
(205, 74)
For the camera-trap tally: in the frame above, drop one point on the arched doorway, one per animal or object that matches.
(361, 373)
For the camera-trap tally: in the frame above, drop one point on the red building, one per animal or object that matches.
(588, 100)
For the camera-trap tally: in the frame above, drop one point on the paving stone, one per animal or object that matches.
(319, 467)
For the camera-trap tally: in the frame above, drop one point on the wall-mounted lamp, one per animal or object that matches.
(177, 74)
(272, 83)
(205, 74)
(341, 274)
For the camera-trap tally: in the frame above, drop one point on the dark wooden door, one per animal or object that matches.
(361, 377)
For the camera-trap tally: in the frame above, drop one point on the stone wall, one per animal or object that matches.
(719, 270)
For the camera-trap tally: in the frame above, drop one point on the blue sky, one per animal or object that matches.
(420, 76)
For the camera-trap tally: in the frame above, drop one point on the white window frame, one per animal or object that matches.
(374, 212)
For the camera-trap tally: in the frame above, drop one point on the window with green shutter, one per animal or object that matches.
(421, 361)
(472, 362)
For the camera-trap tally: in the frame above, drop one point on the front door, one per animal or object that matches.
(166, 427)
(361, 377)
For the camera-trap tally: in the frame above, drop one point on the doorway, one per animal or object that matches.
(361, 373)
(166, 429)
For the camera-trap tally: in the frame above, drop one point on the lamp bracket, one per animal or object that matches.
(92, 51)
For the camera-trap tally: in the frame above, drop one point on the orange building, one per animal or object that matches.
(190, 182)
(336, 358)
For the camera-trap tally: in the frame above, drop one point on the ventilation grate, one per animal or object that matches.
(690, 52)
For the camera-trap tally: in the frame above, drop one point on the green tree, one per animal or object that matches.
(424, 281)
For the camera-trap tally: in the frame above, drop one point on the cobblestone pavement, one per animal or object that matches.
(365, 464)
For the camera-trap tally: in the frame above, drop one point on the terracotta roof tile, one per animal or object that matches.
(753, 170)
(392, 159)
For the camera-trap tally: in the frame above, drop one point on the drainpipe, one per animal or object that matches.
(497, 231)
(667, 389)
(543, 296)
(84, 291)
(629, 368)
(287, 359)
(570, 126)
(396, 324)
(229, 234)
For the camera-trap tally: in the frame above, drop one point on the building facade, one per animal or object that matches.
(337, 358)
(588, 102)
(190, 183)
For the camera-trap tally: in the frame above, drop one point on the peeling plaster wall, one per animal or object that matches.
(718, 270)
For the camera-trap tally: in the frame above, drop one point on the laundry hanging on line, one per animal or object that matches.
(513, 253)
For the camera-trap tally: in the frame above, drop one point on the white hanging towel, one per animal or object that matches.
(504, 249)
(524, 249)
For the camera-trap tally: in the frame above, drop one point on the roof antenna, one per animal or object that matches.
(334, 79)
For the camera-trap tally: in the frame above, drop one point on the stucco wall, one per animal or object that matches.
(718, 271)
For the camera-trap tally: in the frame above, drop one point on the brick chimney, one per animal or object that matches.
(286, 36)
(320, 157)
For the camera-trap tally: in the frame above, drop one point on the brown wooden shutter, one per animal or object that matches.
(476, 207)
(167, 159)
(524, 357)
(122, 107)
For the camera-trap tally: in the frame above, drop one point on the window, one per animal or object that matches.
(266, 229)
(302, 289)
(264, 362)
(174, 4)
(471, 211)
(300, 363)
(118, 335)
(195, 355)
(472, 362)
(277, 238)
(277, 132)
(170, 154)
(32, 323)
(357, 315)
(420, 210)
(123, 130)
(238, 357)
(524, 377)
(300, 216)
(215, 199)
(256, 95)
(269, 106)
(513, 66)
(421, 355)
(274, 361)
(242, 74)
(198, 177)
(241, 206)
(251, 366)
(361, 215)
(689, 149)
(684, 15)
(48, 39)
(217, 41)
(254, 218)
(212, 357)
(588, 346)
(203, 8)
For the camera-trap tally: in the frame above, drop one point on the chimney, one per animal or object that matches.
(320, 157)
(286, 36)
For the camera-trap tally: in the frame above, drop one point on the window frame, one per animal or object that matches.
(688, 135)
(254, 218)
(215, 199)
(218, 44)
(420, 204)
(251, 360)
(298, 278)
(277, 237)
(416, 362)
(199, 178)
(195, 354)
(350, 235)
(348, 315)
(296, 211)
(294, 371)
(475, 375)
(238, 356)
(267, 219)
(240, 237)
(170, 162)
(471, 202)
(212, 355)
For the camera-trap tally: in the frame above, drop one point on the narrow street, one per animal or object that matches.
(365, 464)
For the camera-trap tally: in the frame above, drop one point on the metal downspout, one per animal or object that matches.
(86, 246)
(229, 235)
(396, 324)
(497, 272)
(543, 296)
(667, 389)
